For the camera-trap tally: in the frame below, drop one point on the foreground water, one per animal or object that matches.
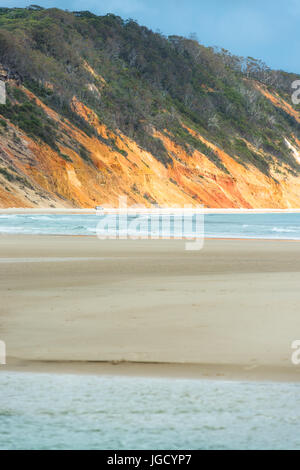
(44, 411)
(266, 225)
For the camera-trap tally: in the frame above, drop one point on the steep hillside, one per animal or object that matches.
(99, 107)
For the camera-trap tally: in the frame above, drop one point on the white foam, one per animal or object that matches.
(281, 229)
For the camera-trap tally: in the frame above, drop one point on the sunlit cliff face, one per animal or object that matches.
(34, 175)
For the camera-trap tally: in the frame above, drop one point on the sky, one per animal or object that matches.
(264, 29)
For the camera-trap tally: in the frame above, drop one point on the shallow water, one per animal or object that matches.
(48, 411)
(267, 225)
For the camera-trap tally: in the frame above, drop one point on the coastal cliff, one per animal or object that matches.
(98, 107)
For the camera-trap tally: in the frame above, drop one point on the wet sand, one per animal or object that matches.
(148, 307)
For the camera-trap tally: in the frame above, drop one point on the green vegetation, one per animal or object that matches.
(29, 117)
(66, 157)
(3, 124)
(13, 177)
(151, 82)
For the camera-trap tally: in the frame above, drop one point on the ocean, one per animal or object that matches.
(263, 225)
(51, 411)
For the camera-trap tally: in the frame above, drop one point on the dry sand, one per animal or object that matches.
(149, 307)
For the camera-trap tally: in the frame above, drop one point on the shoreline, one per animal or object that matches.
(165, 370)
(143, 239)
(93, 211)
(72, 235)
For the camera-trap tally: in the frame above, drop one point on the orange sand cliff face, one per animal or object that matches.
(34, 175)
(278, 101)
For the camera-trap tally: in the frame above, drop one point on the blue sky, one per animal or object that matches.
(264, 29)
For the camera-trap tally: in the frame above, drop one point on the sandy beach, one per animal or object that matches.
(148, 307)
(93, 211)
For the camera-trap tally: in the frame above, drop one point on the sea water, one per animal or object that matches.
(52, 411)
(264, 225)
